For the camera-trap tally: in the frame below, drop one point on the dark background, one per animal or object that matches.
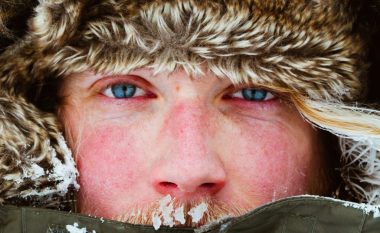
(374, 71)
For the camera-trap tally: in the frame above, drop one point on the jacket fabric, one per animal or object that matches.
(303, 214)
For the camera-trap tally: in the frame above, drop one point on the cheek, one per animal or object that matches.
(100, 153)
(271, 162)
(108, 162)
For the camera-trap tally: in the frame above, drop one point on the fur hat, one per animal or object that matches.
(313, 51)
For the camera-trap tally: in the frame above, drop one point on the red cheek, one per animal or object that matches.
(107, 162)
(270, 164)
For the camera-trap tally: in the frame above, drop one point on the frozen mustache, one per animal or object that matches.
(167, 214)
(171, 212)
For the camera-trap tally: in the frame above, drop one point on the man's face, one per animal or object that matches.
(139, 137)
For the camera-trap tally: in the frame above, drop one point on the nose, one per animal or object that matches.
(188, 165)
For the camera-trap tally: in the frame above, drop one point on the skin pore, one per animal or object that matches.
(140, 137)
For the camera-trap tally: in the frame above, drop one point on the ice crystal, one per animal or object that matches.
(179, 215)
(367, 209)
(75, 229)
(197, 212)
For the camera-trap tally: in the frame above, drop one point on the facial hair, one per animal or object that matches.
(173, 212)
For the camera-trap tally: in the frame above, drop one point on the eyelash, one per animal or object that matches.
(105, 85)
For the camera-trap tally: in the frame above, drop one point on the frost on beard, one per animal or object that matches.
(197, 212)
(168, 215)
(179, 215)
(163, 216)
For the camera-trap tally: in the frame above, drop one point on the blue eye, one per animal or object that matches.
(123, 90)
(253, 94)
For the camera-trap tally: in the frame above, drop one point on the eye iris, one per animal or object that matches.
(123, 90)
(254, 94)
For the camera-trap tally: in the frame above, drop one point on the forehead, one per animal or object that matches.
(313, 53)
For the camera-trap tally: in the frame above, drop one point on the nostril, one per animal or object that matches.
(211, 188)
(174, 189)
(165, 187)
(208, 185)
(168, 185)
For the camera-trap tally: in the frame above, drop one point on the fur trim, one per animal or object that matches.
(312, 49)
(35, 162)
(359, 133)
(245, 41)
(13, 17)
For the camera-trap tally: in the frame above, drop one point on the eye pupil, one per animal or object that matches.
(123, 90)
(254, 94)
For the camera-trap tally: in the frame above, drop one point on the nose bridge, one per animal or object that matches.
(189, 162)
(188, 125)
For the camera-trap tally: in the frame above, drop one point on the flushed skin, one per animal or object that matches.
(176, 140)
(311, 52)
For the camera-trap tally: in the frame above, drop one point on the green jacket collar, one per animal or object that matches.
(299, 214)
